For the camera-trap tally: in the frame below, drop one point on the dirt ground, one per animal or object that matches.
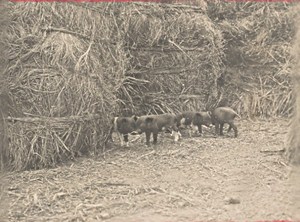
(199, 179)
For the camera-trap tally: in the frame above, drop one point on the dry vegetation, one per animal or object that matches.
(63, 71)
(71, 67)
(258, 63)
(4, 102)
(70, 73)
(199, 179)
(293, 153)
(175, 58)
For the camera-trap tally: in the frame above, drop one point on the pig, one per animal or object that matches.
(222, 115)
(153, 124)
(194, 120)
(123, 126)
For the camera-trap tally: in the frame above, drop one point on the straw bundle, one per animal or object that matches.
(258, 42)
(5, 101)
(72, 66)
(5, 110)
(293, 151)
(65, 64)
(175, 54)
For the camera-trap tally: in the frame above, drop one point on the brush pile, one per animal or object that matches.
(73, 66)
(293, 142)
(66, 62)
(175, 57)
(258, 40)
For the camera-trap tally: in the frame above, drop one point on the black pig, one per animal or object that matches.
(153, 124)
(222, 115)
(194, 120)
(123, 126)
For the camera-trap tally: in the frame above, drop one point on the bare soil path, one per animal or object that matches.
(198, 179)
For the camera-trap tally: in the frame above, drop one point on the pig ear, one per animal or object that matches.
(149, 120)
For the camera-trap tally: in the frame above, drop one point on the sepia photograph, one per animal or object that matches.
(150, 110)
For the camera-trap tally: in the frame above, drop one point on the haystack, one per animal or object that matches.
(66, 62)
(258, 63)
(73, 66)
(175, 58)
(5, 101)
(293, 151)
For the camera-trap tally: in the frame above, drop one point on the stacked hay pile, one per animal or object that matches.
(258, 41)
(293, 151)
(73, 66)
(175, 54)
(66, 62)
(4, 21)
(3, 91)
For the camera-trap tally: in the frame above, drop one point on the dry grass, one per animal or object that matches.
(3, 197)
(258, 40)
(187, 181)
(73, 66)
(71, 73)
(177, 51)
(4, 20)
(63, 63)
(293, 143)
(5, 109)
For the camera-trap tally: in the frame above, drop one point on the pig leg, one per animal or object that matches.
(200, 128)
(179, 135)
(221, 129)
(121, 138)
(217, 128)
(176, 135)
(148, 134)
(229, 129)
(190, 131)
(109, 137)
(155, 138)
(234, 129)
(125, 136)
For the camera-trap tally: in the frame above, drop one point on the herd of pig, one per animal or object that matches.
(155, 124)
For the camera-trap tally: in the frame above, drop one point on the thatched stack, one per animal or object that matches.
(175, 54)
(73, 66)
(4, 97)
(258, 41)
(293, 151)
(66, 62)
